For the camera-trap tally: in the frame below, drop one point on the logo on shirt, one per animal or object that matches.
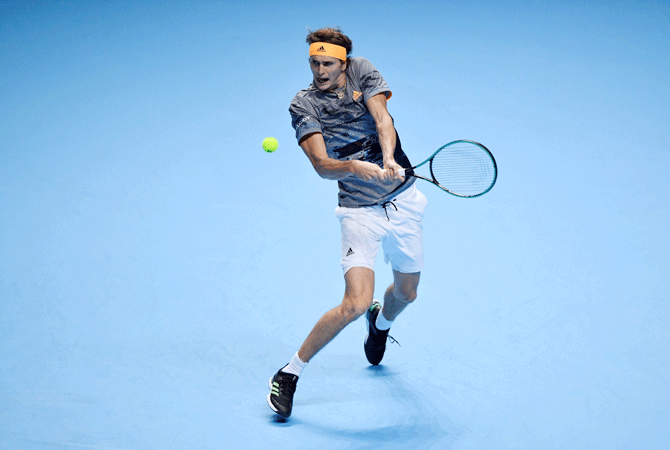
(357, 95)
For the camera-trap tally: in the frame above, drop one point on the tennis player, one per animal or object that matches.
(343, 126)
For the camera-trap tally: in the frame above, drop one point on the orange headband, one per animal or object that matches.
(326, 49)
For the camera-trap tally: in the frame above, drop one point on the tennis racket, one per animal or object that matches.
(461, 168)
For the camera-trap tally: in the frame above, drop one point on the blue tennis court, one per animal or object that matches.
(157, 267)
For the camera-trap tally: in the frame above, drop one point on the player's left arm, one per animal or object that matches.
(387, 136)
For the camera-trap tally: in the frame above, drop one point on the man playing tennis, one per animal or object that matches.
(344, 128)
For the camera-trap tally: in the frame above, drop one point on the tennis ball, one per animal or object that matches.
(270, 144)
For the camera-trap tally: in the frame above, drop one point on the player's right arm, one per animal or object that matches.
(333, 169)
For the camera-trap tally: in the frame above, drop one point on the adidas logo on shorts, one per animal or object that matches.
(349, 253)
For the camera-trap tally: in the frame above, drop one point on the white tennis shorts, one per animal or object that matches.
(396, 226)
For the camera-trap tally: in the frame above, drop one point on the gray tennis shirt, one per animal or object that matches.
(349, 131)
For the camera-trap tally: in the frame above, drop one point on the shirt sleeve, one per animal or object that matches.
(371, 81)
(303, 117)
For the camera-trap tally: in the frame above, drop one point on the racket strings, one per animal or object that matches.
(465, 169)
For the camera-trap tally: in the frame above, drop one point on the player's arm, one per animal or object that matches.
(387, 136)
(333, 169)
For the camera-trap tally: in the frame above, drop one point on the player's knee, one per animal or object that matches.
(352, 309)
(406, 294)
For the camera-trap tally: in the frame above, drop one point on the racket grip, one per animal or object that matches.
(402, 172)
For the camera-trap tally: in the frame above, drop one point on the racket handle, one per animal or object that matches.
(402, 172)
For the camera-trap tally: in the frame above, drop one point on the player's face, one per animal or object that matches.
(328, 72)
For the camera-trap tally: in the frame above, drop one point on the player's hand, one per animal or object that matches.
(392, 171)
(367, 171)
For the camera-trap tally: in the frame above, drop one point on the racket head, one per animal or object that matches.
(464, 168)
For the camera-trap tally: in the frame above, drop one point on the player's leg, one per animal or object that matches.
(403, 248)
(400, 293)
(360, 238)
(359, 289)
(359, 246)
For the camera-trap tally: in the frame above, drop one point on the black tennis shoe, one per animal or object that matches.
(282, 388)
(375, 341)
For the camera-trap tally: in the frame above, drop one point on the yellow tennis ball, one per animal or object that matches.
(270, 144)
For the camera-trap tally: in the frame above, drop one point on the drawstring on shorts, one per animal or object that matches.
(385, 205)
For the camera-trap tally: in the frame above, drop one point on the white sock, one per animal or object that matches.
(382, 323)
(295, 366)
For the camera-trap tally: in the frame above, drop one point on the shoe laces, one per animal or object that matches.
(393, 340)
(388, 336)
